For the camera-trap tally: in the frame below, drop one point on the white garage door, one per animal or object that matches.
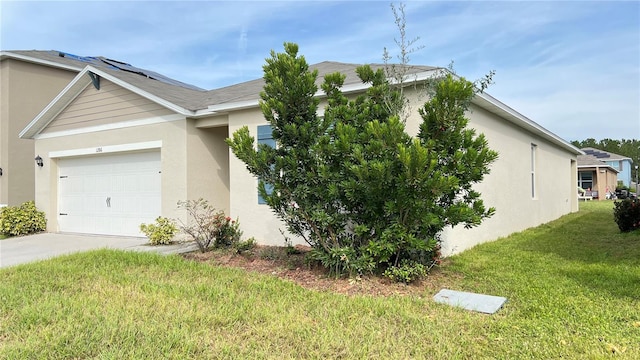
(109, 194)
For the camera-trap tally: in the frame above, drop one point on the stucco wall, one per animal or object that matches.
(171, 134)
(25, 89)
(207, 165)
(507, 188)
(256, 220)
(604, 178)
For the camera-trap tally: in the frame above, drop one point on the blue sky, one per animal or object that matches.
(573, 66)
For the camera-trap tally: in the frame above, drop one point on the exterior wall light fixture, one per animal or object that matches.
(39, 161)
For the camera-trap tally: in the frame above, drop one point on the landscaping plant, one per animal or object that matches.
(207, 226)
(627, 214)
(160, 233)
(22, 220)
(353, 184)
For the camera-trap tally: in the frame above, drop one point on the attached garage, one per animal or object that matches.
(109, 194)
(120, 148)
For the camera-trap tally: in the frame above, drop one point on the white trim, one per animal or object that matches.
(497, 107)
(112, 126)
(11, 55)
(107, 149)
(483, 100)
(350, 88)
(72, 91)
(239, 105)
(534, 168)
(610, 168)
(126, 85)
(56, 105)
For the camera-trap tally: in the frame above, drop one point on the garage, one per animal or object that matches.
(109, 194)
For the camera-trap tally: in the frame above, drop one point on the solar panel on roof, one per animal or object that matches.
(147, 73)
(597, 153)
(123, 66)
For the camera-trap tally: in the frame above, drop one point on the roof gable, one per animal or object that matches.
(193, 102)
(110, 104)
(77, 87)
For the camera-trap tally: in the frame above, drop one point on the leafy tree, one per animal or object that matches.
(362, 192)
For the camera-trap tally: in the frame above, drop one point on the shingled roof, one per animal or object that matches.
(590, 161)
(604, 155)
(250, 90)
(76, 62)
(195, 102)
(184, 95)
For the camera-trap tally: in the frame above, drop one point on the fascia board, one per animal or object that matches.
(160, 101)
(482, 99)
(74, 88)
(598, 166)
(347, 89)
(493, 105)
(10, 55)
(59, 103)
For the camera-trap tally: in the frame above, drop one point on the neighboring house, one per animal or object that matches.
(119, 149)
(621, 163)
(26, 86)
(596, 177)
(29, 81)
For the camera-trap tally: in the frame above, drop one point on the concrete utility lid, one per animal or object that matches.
(476, 302)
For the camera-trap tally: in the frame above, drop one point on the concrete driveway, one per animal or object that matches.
(25, 249)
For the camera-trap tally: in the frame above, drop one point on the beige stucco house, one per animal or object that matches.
(120, 148)
(27, 85)
(596, 177)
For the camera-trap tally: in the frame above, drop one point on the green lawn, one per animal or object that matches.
(573, 288)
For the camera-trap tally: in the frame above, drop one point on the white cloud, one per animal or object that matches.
(571, 66)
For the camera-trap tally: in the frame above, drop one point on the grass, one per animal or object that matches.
(573, 289)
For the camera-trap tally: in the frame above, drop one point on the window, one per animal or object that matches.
(585, 180)
(265, 136)
(533, 170)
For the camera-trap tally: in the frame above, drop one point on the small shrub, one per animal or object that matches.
(272, 253)
(209, 227)
(407, 272)
(22, 220)
(342, 261)
(160, 233)
(227, 232)
(246, 245)
(627, 214)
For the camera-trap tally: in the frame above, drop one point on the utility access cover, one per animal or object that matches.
(487, 304)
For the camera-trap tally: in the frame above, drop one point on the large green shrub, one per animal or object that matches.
(353, 183)
(160, 233)
(22, 220)
(627, 214)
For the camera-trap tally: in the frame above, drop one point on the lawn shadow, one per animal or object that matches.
(597, 254)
